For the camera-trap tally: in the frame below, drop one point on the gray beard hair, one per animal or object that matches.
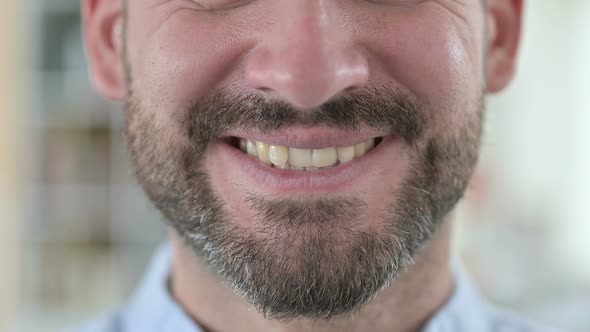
(303, 259)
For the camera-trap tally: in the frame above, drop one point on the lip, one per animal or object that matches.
(310, 138)
(335, 179)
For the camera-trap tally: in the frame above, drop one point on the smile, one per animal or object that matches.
(307, 160)
(304, 159)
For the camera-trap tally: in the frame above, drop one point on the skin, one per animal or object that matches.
(306, 53)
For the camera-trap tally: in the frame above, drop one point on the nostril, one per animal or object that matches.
(306, 75)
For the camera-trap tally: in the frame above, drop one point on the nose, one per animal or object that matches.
(306, 59)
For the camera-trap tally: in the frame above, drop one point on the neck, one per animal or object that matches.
(406, 305)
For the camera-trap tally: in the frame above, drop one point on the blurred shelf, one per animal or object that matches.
(90, 230)
(134, 219)
(54, 6)
(76, 155)
(75, 277)
(60, 40)
(70, 213)
(66, 99)
(94, 214)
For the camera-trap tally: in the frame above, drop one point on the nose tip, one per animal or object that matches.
(306, 77)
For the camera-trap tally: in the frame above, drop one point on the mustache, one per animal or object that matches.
(388, 110)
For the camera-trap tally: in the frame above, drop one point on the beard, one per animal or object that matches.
(303, 258)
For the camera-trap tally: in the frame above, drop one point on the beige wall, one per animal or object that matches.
(12, 111)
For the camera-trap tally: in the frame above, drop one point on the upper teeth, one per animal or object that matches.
(304, 159)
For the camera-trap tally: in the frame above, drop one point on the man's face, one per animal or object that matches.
(305, 149)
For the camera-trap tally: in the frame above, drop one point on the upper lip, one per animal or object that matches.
(309, 138)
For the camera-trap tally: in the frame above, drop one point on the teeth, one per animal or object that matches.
(278, 155)
(304, 159)
(300, 157)
(359, 149)
(251, 148)
(262, 150)
(244, 145)
(345, 154)
(324, 157)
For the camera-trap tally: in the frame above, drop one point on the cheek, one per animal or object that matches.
(183, 60)
(429, 57)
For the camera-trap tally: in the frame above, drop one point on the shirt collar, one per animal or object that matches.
(465, 309)
(152, 307)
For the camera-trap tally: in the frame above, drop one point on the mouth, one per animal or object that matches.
(301, 159)
(317, 160)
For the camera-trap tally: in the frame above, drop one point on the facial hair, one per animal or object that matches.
(304, 258)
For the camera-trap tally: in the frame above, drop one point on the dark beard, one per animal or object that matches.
(304, 258)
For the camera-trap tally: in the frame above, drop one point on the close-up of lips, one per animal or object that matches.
(322, 150)
(294, 165)
(312, 167)
(316, 159)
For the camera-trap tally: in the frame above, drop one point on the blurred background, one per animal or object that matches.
(76, 232)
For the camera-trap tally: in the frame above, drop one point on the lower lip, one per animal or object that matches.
(337, 178)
